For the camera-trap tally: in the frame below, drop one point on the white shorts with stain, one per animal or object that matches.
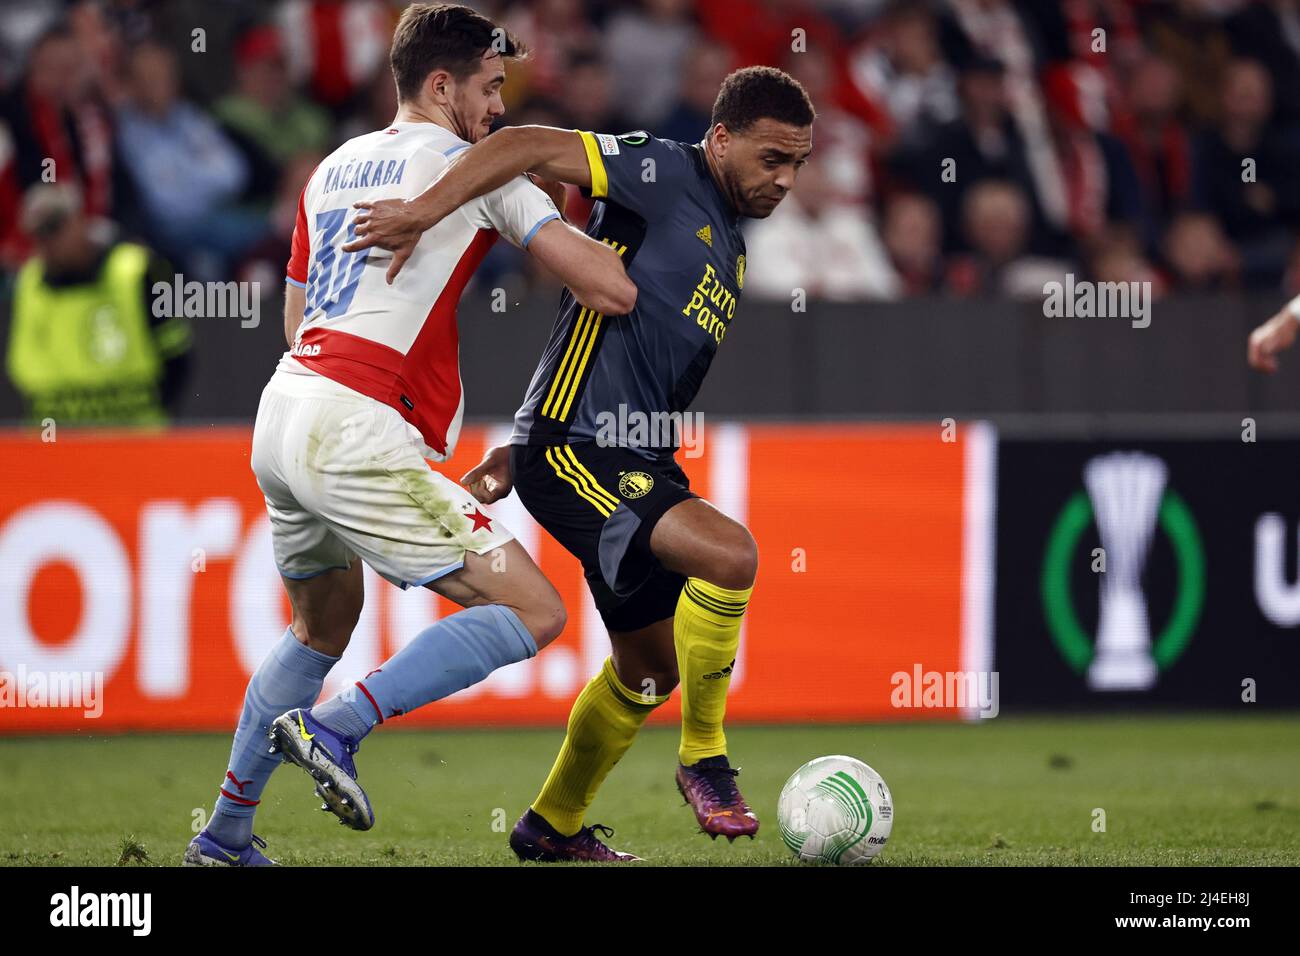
(344, 477)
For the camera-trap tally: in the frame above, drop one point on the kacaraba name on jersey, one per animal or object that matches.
(356, 174)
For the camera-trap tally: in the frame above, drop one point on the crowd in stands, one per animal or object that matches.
(962, 147)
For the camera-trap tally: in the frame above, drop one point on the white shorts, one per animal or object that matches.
(344, 477)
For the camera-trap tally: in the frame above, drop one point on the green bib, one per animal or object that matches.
(85, 353)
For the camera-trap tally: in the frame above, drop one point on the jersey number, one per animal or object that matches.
(332, 280)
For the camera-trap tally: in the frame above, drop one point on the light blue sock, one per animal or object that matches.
(290, 676)
(446, 657)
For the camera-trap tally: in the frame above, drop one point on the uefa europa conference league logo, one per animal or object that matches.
(1128, 497)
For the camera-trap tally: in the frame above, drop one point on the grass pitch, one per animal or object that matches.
(1175, 791)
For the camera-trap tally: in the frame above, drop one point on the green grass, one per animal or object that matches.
(1176, 791)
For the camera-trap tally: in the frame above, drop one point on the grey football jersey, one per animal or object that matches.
(680, 240)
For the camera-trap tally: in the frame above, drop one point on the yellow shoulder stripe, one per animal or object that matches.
(599, 181)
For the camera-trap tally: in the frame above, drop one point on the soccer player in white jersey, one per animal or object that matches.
(369, 389)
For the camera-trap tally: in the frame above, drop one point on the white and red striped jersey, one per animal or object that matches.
(397, 343)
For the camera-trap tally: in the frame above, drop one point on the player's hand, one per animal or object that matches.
(1274, 336)
(558, 192)
(489, 481)
(389, 224)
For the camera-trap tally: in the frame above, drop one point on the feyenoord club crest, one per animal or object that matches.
(634, 484)
(1128, 498)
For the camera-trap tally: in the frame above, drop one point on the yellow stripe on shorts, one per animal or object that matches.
(563, 473)
(597, 489)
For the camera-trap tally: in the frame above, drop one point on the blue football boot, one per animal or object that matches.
(205, 851)
(300, 739)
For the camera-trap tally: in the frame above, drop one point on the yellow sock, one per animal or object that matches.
(706, 630)
(602, 723)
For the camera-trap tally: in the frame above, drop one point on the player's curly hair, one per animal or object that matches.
(448, 36)
(761, 92)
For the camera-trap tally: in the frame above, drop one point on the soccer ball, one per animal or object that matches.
(835, 810)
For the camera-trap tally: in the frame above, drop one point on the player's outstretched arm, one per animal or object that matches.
(1274, 336)
(592, 270)
(397, 224)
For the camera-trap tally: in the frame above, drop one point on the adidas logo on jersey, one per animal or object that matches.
(707, 235)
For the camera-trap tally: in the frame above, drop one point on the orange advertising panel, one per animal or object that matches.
(138, 591)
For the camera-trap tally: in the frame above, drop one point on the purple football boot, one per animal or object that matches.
(535, 839)
(709, 786)
(327, 756)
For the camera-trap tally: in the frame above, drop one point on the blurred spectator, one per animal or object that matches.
(99, 45)
(1245, 173)
(1120, 259)
(645, 47)
(1071, 31)
(60, 127)
(22, 23)
(589, 100)
(996, 224)
(983, 144)
(187, 172)
(768, 27)
(1112, 117)
(1102, 36)
(1006, 33)
(707, 65)
(902, 67)
(555, 31)
(842, 139)
(85, 345)
(1190, 35)
(13, 244)
(1097, 179)
(336, 46)
(776, 32)
(1021, 36)
(1157, 143)
(1199, 255)
(913, 235)
(1269, 32)
(266, 118)
(817, 242)
(374, 111)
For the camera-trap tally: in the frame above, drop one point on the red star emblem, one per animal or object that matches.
(480, 521)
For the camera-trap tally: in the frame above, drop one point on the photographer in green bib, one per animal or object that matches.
(85, 347)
